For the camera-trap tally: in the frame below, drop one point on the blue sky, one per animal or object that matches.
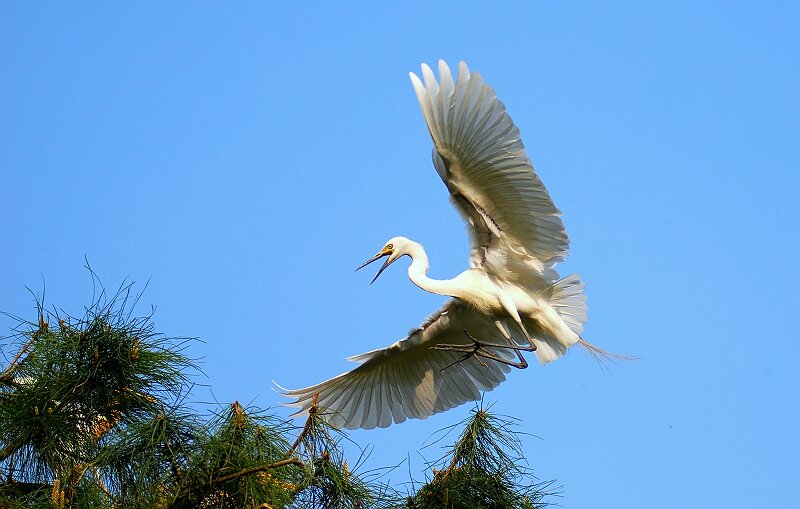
(245, 159)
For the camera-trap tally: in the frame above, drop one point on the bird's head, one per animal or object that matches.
(394, 249)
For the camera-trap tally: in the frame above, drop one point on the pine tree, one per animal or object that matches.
(484, 469)
(93, 414)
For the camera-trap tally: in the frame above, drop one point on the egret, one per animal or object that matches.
(508, 302)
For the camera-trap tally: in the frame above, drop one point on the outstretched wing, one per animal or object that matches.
(409, 379)
(514, 225)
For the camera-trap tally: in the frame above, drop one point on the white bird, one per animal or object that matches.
(509, 301)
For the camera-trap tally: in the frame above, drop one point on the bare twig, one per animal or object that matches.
(7, 373)
(307, 427)
(101, 484)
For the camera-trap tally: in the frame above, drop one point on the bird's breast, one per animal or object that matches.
(478, 291)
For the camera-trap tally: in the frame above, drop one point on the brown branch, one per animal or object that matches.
(245, 472)
(7, 373)
(255, 470)
(102, 485)
(11, 448)
(15, 488)
(312, 412)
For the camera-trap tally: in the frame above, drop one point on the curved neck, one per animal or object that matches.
(418, 274)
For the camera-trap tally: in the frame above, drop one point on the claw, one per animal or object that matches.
(477, 349)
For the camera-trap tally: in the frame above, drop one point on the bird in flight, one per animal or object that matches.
(509, 302)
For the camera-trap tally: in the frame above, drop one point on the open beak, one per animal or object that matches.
(374, 258)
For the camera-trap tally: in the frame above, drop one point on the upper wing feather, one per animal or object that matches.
(480, 157)
(409, 379)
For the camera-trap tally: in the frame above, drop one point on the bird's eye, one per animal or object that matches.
(389, 246)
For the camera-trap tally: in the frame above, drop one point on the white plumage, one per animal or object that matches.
(508, 302)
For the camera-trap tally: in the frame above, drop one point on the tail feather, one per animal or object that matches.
(568, 300)
(548, 347)
(569, 303)
(601, 355)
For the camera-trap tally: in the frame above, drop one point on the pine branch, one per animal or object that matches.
(254, 470)
(6, 376)
(312, 412)
(92, 413)
(11, 448)
(237, 475)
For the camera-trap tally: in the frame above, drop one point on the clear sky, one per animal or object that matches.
(246, 158)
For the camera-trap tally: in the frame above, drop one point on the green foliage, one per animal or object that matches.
(485, 470)
(331, 483)
(142, 463)
(93, 415)
(72, 382)
(242, 460)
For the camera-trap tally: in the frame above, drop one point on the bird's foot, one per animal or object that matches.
(478, 349)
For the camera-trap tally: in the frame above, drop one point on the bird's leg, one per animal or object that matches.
(461, 348)
(522, 364)
(508, 304)
(477, 349)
